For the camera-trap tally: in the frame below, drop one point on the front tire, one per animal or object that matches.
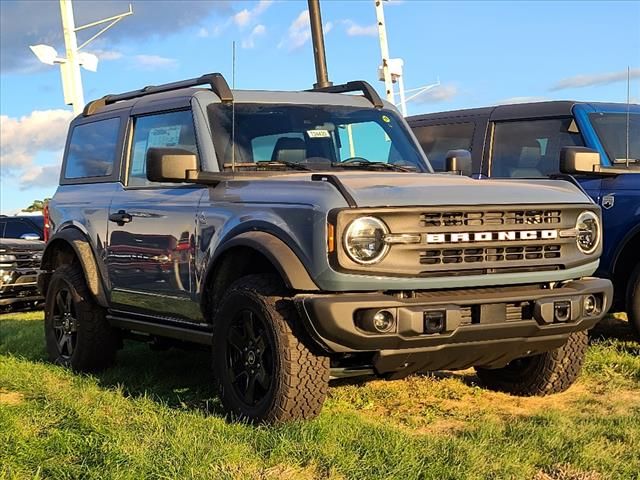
(633, 301)
(266, 368)
(543, 374)
(77, 332)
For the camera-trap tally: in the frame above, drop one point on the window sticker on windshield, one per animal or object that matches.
(386, 119)
(318, 133)
(164, 136)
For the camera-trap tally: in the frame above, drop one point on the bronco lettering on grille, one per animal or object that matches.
(513, 235)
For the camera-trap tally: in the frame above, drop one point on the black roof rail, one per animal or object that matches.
(355, 86)
(216, 81)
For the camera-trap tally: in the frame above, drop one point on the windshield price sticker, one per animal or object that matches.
(318, 134)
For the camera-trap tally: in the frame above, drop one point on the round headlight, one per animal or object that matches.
(364, 240)
(588, 227)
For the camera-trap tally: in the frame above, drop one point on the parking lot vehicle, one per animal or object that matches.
(534, 140)
(300, 235)
(20, 255)
(29, 227)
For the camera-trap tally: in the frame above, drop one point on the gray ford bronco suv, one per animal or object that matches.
(304, 235)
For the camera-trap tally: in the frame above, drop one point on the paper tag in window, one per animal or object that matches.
(318, 134)
(164, 136)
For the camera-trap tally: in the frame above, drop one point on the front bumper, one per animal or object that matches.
(482, 326)
(22, 288)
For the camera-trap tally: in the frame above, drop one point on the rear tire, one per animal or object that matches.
(543, 374)
(633, 301)
(77, 332)
(265, 365)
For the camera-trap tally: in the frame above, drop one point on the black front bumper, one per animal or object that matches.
(482, 327)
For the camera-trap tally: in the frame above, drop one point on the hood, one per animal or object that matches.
(10, 244)
(395, 189)
(409, 189)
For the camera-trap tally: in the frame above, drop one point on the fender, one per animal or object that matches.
(289, 266)
(622, 246)
(78, 242)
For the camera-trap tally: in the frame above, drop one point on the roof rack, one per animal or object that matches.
(356, 86)
(216, 81)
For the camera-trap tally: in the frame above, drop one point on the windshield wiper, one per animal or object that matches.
(281, 163)
(365, 164)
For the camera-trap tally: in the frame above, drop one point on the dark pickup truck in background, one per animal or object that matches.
(20, 255)
(528, 140)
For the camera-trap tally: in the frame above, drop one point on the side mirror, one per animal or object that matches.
(579, 160)
(30, 236)
(170, 164)
(458, 162)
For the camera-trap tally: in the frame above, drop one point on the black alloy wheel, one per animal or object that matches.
(65, 324)
(249, 357)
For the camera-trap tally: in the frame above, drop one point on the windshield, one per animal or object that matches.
(612, 131)
(313, 137)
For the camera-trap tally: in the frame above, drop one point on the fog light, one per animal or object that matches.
(434, 321)
(383, 321)
(590, 305)
(376, 321)
(562, 311)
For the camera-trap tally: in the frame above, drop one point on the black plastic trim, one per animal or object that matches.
(335, 181)
(162, 328)
(355, 86)
(216, 81)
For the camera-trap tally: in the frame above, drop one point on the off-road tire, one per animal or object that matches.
(95, 341)
(543, 374)
(299, 377)
(633, 301)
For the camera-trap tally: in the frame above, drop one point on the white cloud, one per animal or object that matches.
(21, 139)
(41, 176)
(440, 93)
(355, 30)
(580, 81)
(257, 31)
(246, 17)
(299, 32)
(511, 100)
(154, 62)
(106, 55)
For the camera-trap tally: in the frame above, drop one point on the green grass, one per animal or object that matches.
(155, 415)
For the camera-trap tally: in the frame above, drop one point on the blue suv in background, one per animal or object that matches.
(597, 143)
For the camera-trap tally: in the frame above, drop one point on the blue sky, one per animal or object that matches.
(483, 53)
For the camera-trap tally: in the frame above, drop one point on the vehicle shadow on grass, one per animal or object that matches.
(178, 378)
(613, 328)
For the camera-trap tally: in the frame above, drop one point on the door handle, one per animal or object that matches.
(120, 218)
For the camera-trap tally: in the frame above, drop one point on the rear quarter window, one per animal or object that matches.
(92, 149)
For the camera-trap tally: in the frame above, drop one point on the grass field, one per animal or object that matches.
(155, 415)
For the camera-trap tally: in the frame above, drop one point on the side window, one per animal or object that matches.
(174, 129)
(531, 148)
(2, 225)
(17, 228)
(92, 150)
(437, 140)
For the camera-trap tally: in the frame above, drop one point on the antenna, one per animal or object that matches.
(628, 107)
(233, 107)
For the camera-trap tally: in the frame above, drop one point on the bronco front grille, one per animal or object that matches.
(489, 254)
(490, 218)
(471, 240)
